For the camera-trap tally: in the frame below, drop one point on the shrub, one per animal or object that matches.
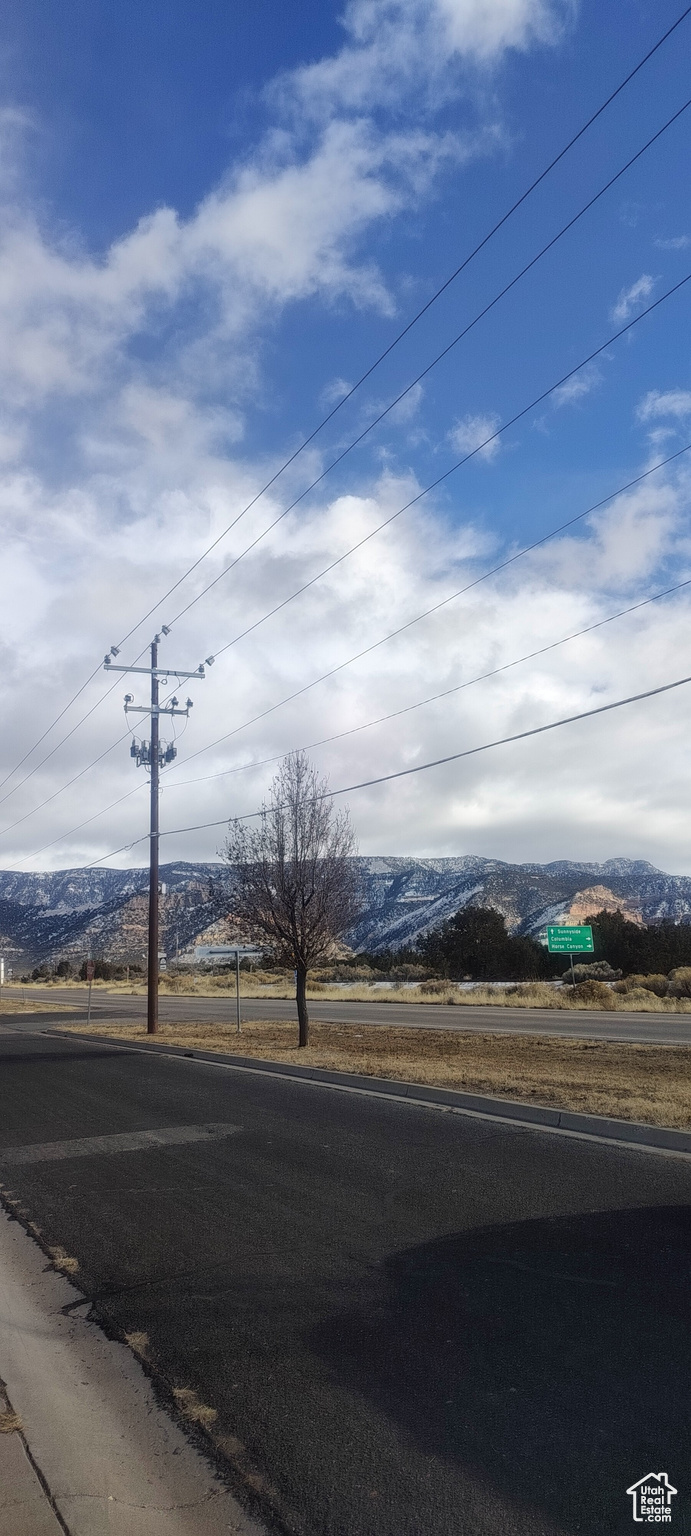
(596, 993)
(641, 995)
(434, 988)
(349, 973)
(656, 984)
(597, 970)
(679, 984)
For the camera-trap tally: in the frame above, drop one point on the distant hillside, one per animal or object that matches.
(59, 915)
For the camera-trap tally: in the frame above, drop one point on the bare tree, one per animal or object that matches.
(296, 882)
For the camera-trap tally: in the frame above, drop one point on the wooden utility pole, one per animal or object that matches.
(154, 755)
(152, 966)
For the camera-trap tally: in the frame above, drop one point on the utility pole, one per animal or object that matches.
(152, 972)
(154, 755)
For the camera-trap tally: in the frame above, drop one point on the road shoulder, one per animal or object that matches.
(107, 1454)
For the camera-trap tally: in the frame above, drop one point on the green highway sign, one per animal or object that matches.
(570, 939)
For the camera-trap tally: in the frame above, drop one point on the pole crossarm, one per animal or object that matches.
(148, 709)
(159, 672)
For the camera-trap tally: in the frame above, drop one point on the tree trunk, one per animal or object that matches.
(301, 1000)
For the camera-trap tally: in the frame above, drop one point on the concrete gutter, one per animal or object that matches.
(630, 1133)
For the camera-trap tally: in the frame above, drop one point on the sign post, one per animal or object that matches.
(90, 968)
(570, 939)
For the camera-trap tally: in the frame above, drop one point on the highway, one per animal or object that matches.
(661, 1029)
(410, 1323)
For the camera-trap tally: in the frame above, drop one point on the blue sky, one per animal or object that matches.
(215, 218)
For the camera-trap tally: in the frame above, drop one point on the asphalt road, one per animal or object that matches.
(415, 1323)
(662, 1029)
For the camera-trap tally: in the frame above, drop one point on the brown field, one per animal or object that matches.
(651, 1083)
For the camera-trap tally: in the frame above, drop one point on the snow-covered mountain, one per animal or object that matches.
(62, 914)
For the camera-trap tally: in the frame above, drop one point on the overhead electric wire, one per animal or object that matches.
(419, 314)
(380, 359)
(404, 773)
(493, 571)
(14, 868)
(434, 698)
(63, 787)
(34, 854)
(380, 720)
(49, 728)
(63, 739)
(37, 766)
(327, 569)
(425, 371)
(491, 438)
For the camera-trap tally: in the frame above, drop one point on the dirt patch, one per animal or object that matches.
(651, 1083)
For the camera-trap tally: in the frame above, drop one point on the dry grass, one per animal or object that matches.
(62, 1261)
(527, 994)
(651, 1083)
(188, 1404)
(25, 1005)
(138, 1343)
(9, 1422)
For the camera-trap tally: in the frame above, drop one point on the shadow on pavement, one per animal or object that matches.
(552, 1358)
(66, 1057)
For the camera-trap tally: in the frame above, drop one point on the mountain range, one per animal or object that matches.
(68, 913)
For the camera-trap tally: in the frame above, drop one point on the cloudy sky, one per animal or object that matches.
(216, 218)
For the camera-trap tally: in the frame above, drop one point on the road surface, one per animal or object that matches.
(662, 1029)
(411, 1323)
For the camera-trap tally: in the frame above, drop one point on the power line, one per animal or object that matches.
(324, 677)
(418, 316)
(428, 369)
(48, 730)
(14, 869)
(37, 766)
(333, 564)
(435, 697)
(493, 571)
(381, 719)
(378, 360)
(438, 762)
(68, 785)
(80, 775)
(491, 438)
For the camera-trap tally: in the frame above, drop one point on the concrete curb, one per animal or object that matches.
(628, 1132)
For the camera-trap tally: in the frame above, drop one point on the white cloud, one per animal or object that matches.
(629, 298)
(677, 243)
(471, 432)
(156, 467)
(395, 46)
(578, 387)
(523, 802)
(336, 390)
(661, 404)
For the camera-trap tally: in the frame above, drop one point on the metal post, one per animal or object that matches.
(152, 974)
(573, 974)
(90, 976)
(237, 990)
